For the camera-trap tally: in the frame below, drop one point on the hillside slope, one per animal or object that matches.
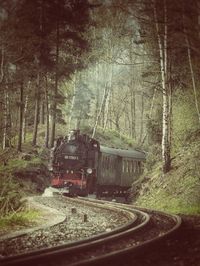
(179, 190)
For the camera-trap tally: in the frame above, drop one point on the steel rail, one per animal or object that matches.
(134, 250)
(64, 253)
(43, 256)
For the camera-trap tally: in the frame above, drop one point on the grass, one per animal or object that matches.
(163, 202)
(179, 190)
(19, 219)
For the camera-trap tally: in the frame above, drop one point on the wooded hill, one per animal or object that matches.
(130, 66)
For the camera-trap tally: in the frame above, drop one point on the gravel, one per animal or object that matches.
(81, 221)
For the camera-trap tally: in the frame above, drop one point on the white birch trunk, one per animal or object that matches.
(107, 104)
(99, 113)
(72, 104)
(162, 45)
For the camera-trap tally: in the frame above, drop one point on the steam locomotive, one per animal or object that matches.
(82, 166)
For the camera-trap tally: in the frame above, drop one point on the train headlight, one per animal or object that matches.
(89, 170)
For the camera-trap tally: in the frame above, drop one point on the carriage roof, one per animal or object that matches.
(136, 154)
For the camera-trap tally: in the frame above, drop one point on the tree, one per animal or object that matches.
(70, 24)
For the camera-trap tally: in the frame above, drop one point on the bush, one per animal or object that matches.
(153, 156)
(19, 219)
(10, 195)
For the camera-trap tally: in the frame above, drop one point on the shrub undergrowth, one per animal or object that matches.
(10, 195)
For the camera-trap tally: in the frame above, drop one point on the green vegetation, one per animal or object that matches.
(21, 219)
(179, 190)
(18, 164)
(185, 119)
(21, 173)
(111, 138)
(13, 210)
(10, 195)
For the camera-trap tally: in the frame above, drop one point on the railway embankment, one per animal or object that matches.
(179, 190)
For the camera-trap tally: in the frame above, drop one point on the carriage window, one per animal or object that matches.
(111, 164)
(139, 167)
(131, 166)
(104, 162)
(127, 166)
(108, 162)
(123, 166)
(134, 167)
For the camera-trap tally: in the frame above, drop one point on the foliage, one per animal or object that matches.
(17, 219)
(111, 138)
(18, 164)
(153, 156)
(179, 190)
(10, 195)
(185, 119)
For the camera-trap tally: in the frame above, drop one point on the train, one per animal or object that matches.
(81, 166)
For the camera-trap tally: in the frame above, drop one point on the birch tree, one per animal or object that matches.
(163, 58)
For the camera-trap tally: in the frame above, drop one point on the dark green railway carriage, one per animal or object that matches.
(117, 170)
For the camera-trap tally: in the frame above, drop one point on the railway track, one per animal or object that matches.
(145, 228)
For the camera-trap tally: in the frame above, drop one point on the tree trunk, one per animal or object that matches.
(72, 104)
(191, 67)
(132, 112)
(24, 120)
(2, 65)
(21, 107)
(99, 113)
(54, 105)
(7, 121)
(142, 117)
(47, 114)
(109, 86)
(42, 112)
(132, 94)
(107, 106)
(36, 116)
(149, 117)
(162, 44)
(98, 91)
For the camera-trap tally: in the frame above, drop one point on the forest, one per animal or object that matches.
(127, 67)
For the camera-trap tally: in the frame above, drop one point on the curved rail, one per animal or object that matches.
(42, 257)
(103, 247)
(133, 250)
